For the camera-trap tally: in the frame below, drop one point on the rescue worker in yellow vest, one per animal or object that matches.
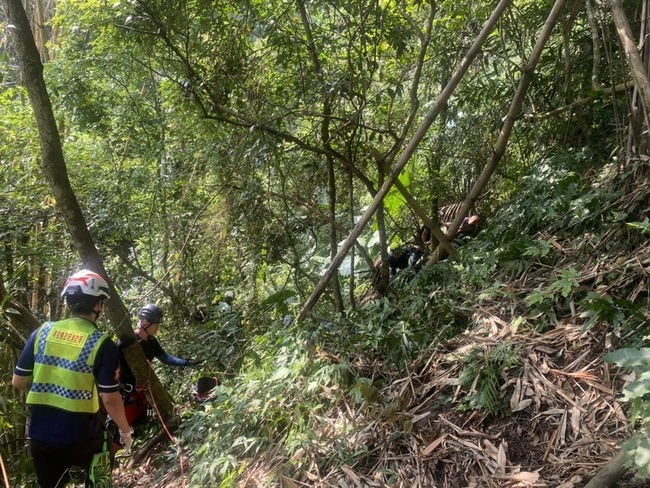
(65, 368)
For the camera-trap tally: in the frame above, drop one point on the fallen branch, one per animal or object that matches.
(610, 473)
(144, 450)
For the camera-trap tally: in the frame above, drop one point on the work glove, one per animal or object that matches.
(193, 363)
(126, 439)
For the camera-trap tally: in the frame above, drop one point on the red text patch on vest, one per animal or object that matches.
(67, 337)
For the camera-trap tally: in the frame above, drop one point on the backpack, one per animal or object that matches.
(135, 406)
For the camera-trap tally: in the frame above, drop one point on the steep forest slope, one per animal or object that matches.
(513, 390)
(280, 151)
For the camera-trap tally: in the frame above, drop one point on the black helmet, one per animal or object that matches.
(151, 312)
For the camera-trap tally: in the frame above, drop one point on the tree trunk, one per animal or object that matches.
(635, 62)
(54, 168)
(325, 139)
(406, 155)
(384, 272)
(595, 46)
(351, 213)
(610, 473)
(508, 124)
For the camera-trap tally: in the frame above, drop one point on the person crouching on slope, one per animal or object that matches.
(65, 367)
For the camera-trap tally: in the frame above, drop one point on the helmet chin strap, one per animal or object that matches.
(97, 313)
(144, 329)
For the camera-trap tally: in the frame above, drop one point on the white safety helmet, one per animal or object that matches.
(85, 283)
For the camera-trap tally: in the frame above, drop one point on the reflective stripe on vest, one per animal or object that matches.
(70, 345)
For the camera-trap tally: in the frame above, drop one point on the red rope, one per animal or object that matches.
(171, 438)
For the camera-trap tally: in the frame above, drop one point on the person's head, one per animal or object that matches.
(149, 318)
(85, 292)
(229, 296)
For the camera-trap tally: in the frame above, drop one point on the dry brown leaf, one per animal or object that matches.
(596, 384)
(419, 417)
(578, 374)
(562, 429)
(575, 422)
(523, 478)
(516, 395)
(491, 450)
(431, 447)
(352, 475)
(466, 443)
(288, 482)
(502, 456)
(312, 476)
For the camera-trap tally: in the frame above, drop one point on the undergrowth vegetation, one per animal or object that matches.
(299, 402)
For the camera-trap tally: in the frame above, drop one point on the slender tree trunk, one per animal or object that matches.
(333, 234)
(40, 30)
(635, 62)
(595, 46)
(325, 138)
(429, 220)
(384, 272)
(406, 155)
(351, 213)
(636, 138)
(508, 124)
(54, 168)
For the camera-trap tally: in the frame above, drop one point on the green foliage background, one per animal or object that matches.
(219, 146)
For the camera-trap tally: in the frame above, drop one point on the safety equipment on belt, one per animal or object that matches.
(85, 283)
(135, 404)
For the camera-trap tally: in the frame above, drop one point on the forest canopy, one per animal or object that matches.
(358, 175)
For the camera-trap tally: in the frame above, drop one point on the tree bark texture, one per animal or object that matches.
(54, 168)
(610, 473)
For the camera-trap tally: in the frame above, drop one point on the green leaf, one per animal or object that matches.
(629, 358)
(638, 388)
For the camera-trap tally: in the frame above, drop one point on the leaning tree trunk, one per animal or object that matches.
(610, 473)
(638, 69)
(406, 155)
(54, 168)
(509, 122)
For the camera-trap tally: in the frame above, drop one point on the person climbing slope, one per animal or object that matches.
(150, 318)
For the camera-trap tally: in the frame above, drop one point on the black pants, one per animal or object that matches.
(53, 461)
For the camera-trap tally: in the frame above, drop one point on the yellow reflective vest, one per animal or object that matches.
(64, 354)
